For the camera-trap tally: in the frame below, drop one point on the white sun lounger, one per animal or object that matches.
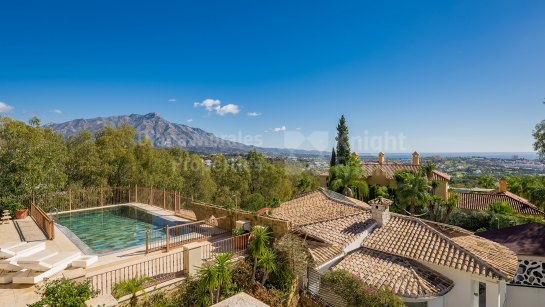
(9, 266)
(5, 249)
(39, 268)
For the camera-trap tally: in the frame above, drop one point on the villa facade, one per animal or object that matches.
(424, 263)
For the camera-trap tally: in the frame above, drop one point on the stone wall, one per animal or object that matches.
(204, 211)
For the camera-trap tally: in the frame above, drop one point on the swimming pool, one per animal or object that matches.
(107, 230)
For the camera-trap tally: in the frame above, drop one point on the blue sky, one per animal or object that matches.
(446, 76)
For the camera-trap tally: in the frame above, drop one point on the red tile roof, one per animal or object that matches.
(339, 231)
(480, 201)
(263, 211)
(317, 206)
(405, 277)
(389, 169)
(414, 239)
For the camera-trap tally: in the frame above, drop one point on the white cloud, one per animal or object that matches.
(283, 128)
(298, 128)
(254, 114)
(208, 104)
(172, 100)
(228, 108)
(190, 120)
(56, 111)
(5, 108)
(215, 105)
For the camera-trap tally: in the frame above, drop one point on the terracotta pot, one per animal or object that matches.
(21, 214)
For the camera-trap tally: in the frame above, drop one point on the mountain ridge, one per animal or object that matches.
(161, 132)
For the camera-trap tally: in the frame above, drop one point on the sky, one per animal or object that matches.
(431, 76)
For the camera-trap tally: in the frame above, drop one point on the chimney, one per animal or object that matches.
(381, 158)
(503, 185)
(416, 158)
(380, 210)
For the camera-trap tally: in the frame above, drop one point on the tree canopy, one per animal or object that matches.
(34, 159)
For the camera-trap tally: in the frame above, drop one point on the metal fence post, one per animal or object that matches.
(164, 198)
(147, 242)
(167, 238)
(136, 194)
(69, 200)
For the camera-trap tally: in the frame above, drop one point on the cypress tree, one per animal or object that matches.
(343, 146)
(333, 161)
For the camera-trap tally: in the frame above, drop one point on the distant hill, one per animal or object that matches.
(160, 131)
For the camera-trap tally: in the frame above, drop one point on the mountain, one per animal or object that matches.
(160, 131)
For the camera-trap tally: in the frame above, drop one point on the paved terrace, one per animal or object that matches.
(21, 295)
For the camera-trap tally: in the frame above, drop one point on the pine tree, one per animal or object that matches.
(343, 146)
(333, 161)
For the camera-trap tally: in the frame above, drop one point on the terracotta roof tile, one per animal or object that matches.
(412, 238)
(340, 231)
(322, 252)
(389, 169)
(480, 201)
(405, 277)
(317, 206)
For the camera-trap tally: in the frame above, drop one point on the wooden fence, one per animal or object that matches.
(89, 198)
(44, 221)
(173, 236)
(161, 269)
(236, 245)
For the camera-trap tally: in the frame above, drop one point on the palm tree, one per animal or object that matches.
(348, 177)
(131, 286)
(429, 168)
(450, 205)
(268, 263)
(224, 269)
(259, 239)
(412, 189)
(209, 278)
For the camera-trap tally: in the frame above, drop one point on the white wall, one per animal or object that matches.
(524, 296)
(464, 284)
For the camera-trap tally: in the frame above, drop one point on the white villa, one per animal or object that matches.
(423, 262)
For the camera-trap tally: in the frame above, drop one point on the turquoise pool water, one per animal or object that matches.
(111, 229)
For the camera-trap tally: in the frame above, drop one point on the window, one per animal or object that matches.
(416, 304)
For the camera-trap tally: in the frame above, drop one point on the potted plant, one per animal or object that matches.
(21, 212)
(239, 240)
(14, 207)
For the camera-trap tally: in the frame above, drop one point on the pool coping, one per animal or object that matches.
(85, 249)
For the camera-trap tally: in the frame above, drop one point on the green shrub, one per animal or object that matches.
(351, 290)
(483, 220)
(501, 207)
(282, 278)
(471, 220)
(502, 221)
(64, 293)
(157, 299)
(254, 202)
(191, 293)
(238, 231)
